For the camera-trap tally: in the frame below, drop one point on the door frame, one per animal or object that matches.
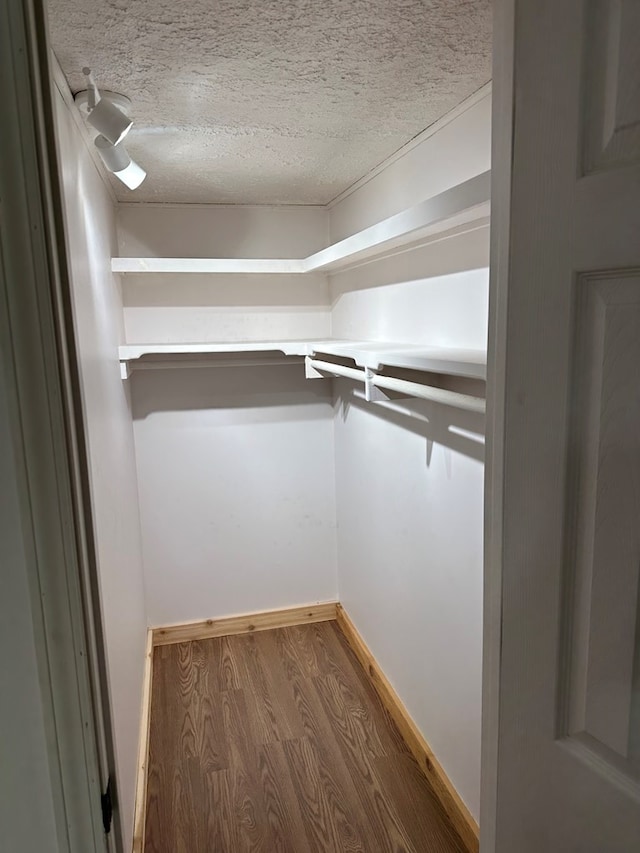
(42, 379)
(502, 127)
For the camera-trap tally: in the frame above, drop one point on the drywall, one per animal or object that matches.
(235, 464)
(409, 474)
(91, 239)
(436, 295)
(197, 308)
(170, 308)
(220, 231)
(409, 483)
(237, 495)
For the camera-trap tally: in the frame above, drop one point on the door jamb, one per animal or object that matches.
(502, 123)
(36, 336)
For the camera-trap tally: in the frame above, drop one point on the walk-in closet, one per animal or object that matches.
(319, 421)
(283, 379)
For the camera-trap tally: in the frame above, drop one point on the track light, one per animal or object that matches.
(118, 161)
(106, 113)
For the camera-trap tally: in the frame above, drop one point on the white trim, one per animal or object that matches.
(198, 205)
(482, 93)
(503, 111)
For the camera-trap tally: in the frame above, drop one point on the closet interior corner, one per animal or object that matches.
(285, 409)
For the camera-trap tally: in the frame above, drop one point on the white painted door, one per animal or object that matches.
(562, 644)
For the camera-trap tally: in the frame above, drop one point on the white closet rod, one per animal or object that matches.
(403, 386)
(337, 369)
(427, 392)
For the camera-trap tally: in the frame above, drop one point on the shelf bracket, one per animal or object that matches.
(309, 370)
(369, 387)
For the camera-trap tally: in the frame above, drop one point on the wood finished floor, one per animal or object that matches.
(277, 742)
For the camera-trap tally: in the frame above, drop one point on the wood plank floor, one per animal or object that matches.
(277, 742)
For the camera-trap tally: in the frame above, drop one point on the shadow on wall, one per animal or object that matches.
(221, 231)
(448, 426)
(446, 256)
(264, 388)
(229, 291)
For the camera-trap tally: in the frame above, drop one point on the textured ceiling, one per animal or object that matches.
(272, 101)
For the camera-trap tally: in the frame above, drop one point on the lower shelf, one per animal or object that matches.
(371, 356)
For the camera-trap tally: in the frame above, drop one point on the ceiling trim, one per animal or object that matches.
(482, 93)
(165, 205)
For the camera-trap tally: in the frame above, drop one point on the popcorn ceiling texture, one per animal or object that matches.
(272, 101)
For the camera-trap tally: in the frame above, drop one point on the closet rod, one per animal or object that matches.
(336, 369)
(403, 386)
(428, 392)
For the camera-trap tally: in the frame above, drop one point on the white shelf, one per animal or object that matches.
(371, 355)
(466, 205)
(131, 352)
(375, 355)
(245, 266)
(132, 356)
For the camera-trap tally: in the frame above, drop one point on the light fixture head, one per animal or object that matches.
(132, 175)
(109, 121)
(118, 161)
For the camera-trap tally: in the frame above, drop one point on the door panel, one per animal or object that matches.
(611, 73)
(563, 484)
(603, 516)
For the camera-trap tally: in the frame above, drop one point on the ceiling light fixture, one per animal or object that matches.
(106, 113)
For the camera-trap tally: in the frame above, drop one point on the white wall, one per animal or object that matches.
(436, 295)
(91, 239)
(194, 308)
(409, 474)
(237, 496)
(235, 465)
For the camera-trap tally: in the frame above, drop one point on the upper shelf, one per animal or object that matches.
(373, 355)
(466, 204)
